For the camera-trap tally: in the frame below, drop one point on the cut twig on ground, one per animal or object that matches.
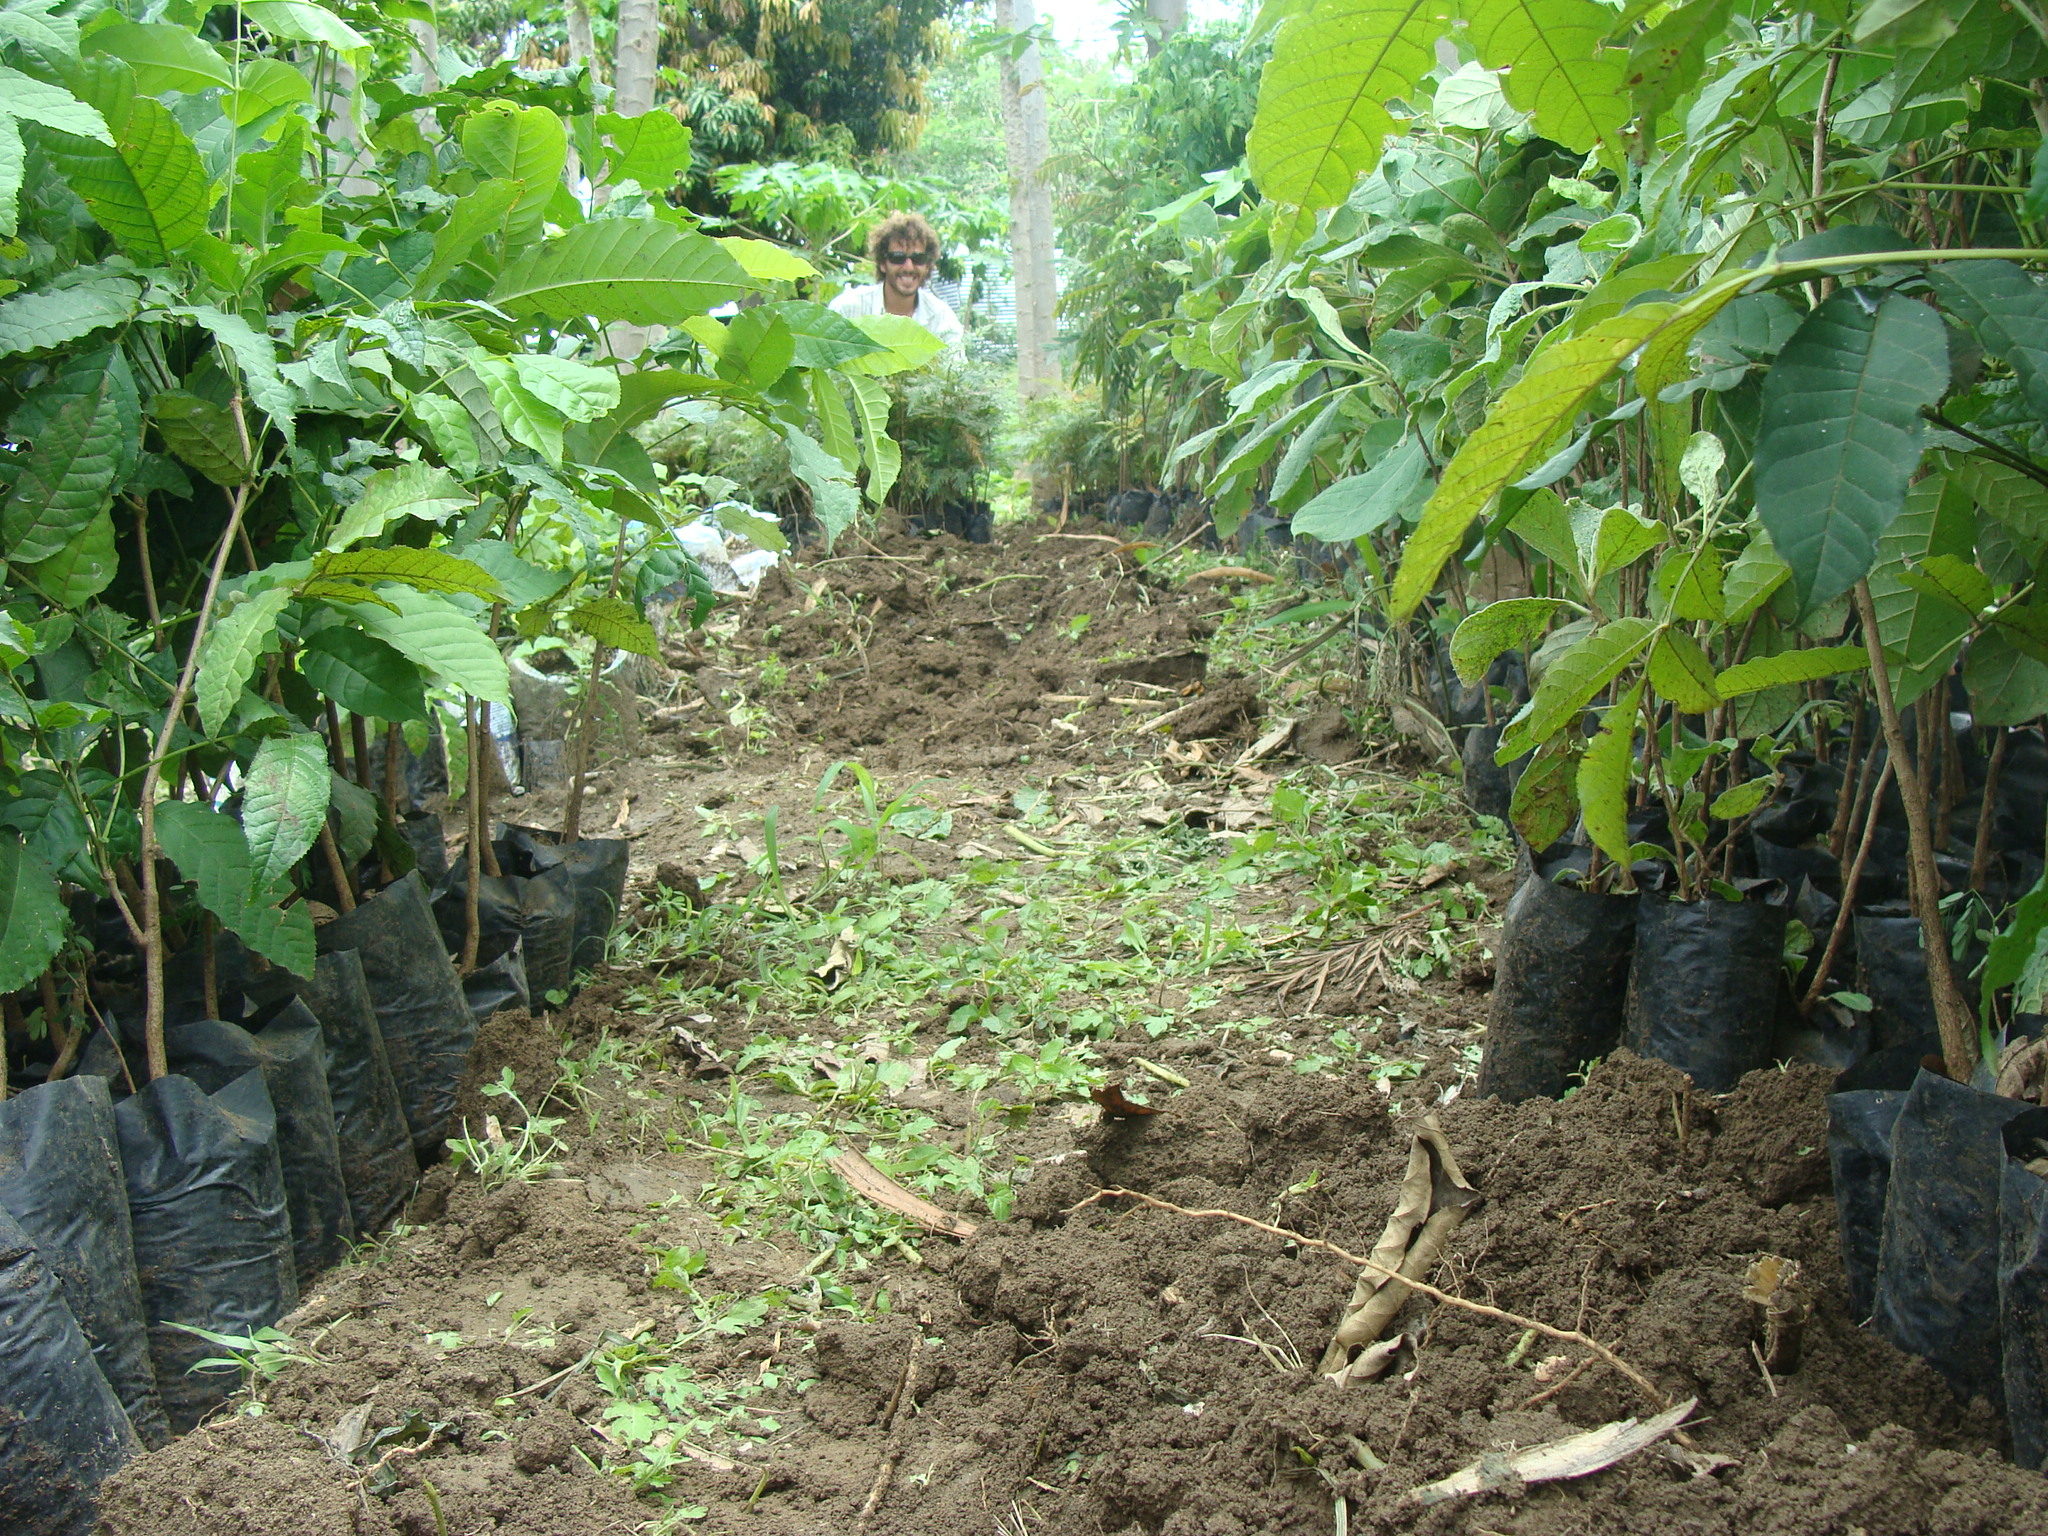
(1574, 1456)
(871, 1183)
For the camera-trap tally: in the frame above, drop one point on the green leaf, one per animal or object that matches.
(1920, 635)
(44, 27)
(1755, 575)
(1322, 114)
(905, 345)
(32, 919)
(355, 815)
(256, 355)
(1514, 623)
(1360, 505)
(36, 322)
(2009, 312)
(834, 501)
(643, 271)
(362, 674)
(164, 58)
(1558, 68)
(524, 584)
(424, 570)
(407, 490)
(765, 261)
(1680, 672)
(835, 421)
(211, 851)
(526, 146)
(203, 435)
(284, 803)
(238, 639)
(1953, 580)
(614, 622)
(445, 639)
(26, 99)
(823, 337)
(1734, 804)
(1610, 539)
(652, 149)
(447, 423)
(83, 440)
(13, 167)
(1687, 584)
(2018, 502)
(885, 454)
(1604, 773)
(2011, 952)
(479, 212)
(264, 86)
(1545, 798)
(1572, 681)
(578, 391)
(82, 569)
(303, 22)
(525, 417)
(149, 189)
(1842, 434)
(1788, 667)
(1539, 406)
(755, 348)
(2007, 686)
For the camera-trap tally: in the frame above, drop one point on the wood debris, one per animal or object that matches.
(871, 1183)
(1574, 1456)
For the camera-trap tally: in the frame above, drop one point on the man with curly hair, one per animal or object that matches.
(904, 249)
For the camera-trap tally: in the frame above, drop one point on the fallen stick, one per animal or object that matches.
(1563, 1335)
(870, 1182)
(906, 1391)
(1575, 1456)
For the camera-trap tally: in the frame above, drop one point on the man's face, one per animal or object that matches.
(905, 266)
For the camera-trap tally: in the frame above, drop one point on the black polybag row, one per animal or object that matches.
(1703, 987)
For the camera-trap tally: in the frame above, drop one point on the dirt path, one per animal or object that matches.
(662, 1308)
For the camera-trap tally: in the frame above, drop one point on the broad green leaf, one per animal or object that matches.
(2016, 501)
(1953, 580)
(26, 99)
(303, 22)
(13, 167)
(824, 338)
(1920, 635)
(1540, 406)
(1680, 672)
(1734, 804)
(766, 262)
(355, 815)
(1360, 505)
(652, 149)
(755, 348)
(44, 27)
(2009, 312)
(2007, 686)
(1514, 623)
(1322, 115)
(1545, 798)
(362, 674)
(36, 322)
(1842, 434)
(407, 490)
(264, 85)
(1755, 575)
(885, 454)
(203, 435)
(1687, 585)
(256, 355)
(614, 622)
(1610, 539)
(481, 211)
(284, 803)
(211, 851)
(234, 645)
(1788, 667)
(423, 570)
(1544, 524)
(164, 57)
(450, 431)
(2015, 950)
(149, 189)
(82, 569)
(834, 501)
(524, 584)
(835, 421)
(1558, 67)
(578, 391)
(83, 437)
(445, 639)
(643, 271)
(906, 345)
(526, 146)
(525, 417)
(1604, 773)
(1572, 681)
(32, 919)
(1301, 453)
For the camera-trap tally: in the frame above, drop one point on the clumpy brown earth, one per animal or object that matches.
(1108, 1368)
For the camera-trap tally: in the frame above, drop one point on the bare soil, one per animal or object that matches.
(1113, 1369)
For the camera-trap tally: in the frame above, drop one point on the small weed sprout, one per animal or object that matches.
(498, 1159)
(261, 1357)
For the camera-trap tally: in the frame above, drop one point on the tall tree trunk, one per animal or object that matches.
(1167, 17)
(633, 69)
(582, 50)
(1027, 141)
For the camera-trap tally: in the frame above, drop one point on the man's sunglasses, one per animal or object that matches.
(911, 258)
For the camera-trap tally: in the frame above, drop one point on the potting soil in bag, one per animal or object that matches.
(597, 868)
(283, 1041)
(1937, 1264)
(421, 1012)
(1703, 988)
(1558, 989)
(378, 1168)
(60, 1178)
(498, 983)
(62, 1429)
(2023, 1286)
(1891, 970)
(537, 910)
(213, 1238)
(1860, 1120)
(1489, 786)
(422, 829)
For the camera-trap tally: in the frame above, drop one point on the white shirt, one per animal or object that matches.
(932, 312)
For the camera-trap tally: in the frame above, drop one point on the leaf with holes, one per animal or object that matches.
(614, 622)
(1546, 796)
(284, 804)
(1604, 774)
(1514, 623)
(1842, 434)
(1572, 681)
